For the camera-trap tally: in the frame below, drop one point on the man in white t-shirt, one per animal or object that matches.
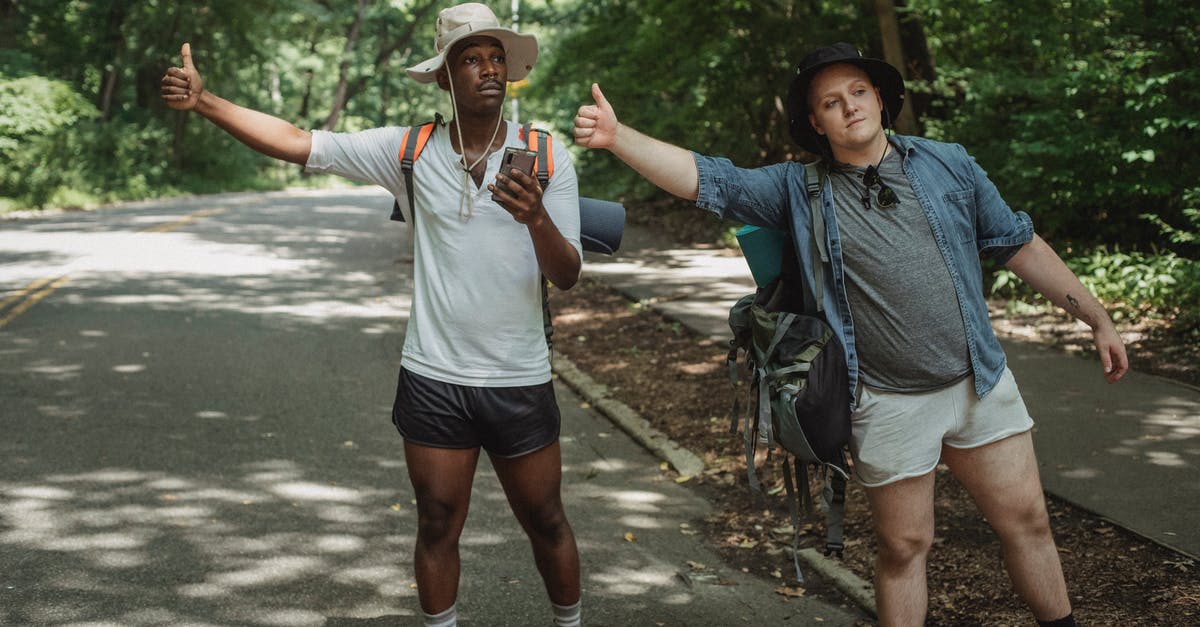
(475, 371)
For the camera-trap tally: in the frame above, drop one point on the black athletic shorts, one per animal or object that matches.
(506, 422)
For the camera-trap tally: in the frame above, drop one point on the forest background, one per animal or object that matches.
(1085, 113)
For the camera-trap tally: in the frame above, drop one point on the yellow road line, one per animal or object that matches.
(27, 289)
(33, 300)
(185, 220)
(32, 289)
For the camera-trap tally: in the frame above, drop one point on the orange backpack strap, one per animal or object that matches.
(540, 142)
(411, 146)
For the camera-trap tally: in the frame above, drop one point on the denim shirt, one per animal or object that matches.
(965, 211)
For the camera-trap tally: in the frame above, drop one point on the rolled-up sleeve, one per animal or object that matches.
(1000, 231)
(752, 196)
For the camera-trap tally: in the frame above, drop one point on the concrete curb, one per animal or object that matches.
(689, 464)
(684, 461)
(853, 586)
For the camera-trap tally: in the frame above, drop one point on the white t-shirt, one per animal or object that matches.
(476, 315)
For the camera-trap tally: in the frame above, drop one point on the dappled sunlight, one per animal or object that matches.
(107, 528)
(159, 253)
(55, 372)
(226, 258)
(1080, 473)
(1164, 458)
(613, 366)
(701, 369)
(316, 492)
(641, 522)
(638, 498)
(633, 581)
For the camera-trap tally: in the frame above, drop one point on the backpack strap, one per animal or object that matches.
(540, 142)
(834, 498)
(814, 179)
(794, 501)
(411, 147)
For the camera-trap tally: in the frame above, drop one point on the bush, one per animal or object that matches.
(1161, 284)
(38, 117)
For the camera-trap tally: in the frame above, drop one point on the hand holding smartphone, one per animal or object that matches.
(515, 158)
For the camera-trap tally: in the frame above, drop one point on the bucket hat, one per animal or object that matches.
(472, 20)
(883, 75)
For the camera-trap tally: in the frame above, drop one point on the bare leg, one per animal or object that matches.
(442, 481)
(532, 484)
(903, 514)
(1003, 479)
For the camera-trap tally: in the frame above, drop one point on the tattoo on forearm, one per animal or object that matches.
(1073, 301)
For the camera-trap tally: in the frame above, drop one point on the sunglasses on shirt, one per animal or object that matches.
(886, 198)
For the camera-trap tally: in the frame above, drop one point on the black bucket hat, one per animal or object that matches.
(883, 75)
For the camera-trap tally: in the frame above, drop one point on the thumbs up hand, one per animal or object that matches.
(182, 86)
(596, 125)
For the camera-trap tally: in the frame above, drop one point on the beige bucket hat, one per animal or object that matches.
(472, 19)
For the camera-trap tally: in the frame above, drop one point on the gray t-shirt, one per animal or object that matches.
(908, 327)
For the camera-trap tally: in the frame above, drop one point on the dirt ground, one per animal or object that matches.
(679, 382)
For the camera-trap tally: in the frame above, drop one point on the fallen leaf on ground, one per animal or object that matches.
(789, 591)
(629, 537)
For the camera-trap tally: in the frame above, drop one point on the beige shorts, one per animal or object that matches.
(895, 436)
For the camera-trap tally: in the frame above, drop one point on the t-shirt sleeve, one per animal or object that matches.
(561, 196)
(370, 156)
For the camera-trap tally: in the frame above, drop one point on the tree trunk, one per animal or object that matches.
(382, 59)
(385, 92)
(8, 24)
(116, 40)
(306, 98)
(893, 53)
(920, 61)
(339, 94)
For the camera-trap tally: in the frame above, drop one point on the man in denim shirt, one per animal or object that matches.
(906, 222)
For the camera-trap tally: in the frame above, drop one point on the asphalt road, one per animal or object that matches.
(196, 395)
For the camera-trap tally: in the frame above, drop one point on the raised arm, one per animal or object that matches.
(670, 167)
(1038, 265)
(183, 89)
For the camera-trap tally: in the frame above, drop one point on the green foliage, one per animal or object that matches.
(1083, 112)
(1160, 284)
(38, 121)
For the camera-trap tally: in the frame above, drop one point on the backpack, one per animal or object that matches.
(798, 381)
(601, 222)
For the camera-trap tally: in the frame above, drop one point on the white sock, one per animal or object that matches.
(446, 618)
(567, 615)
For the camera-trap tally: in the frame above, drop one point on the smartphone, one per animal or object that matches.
(518, 158)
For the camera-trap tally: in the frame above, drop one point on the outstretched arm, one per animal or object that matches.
(670, 167)
(183, 89)
(1038, 265)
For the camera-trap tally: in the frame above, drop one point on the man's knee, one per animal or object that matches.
(1028, 520)
(438, 522)
(904, 546)
(548, 523)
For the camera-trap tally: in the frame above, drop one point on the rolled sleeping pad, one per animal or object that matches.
(601, 224)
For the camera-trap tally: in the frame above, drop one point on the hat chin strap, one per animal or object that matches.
(467, 197)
